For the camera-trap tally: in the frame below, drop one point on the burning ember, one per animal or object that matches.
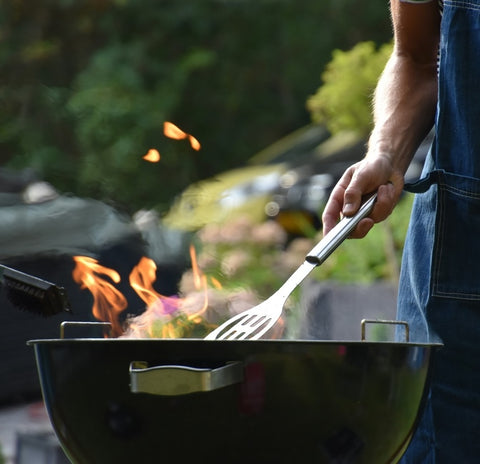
(153, 156)
(172, 131)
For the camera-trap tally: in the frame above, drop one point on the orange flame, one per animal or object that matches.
(172, 131)
(169, 316)
(162, 307)
(159, 307)
(153, 156)
(197, 275)
(216, 283)
(108, 302)
(141, 280)
(200, 283)
(194, 142)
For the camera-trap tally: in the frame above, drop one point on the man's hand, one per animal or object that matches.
(367, 176)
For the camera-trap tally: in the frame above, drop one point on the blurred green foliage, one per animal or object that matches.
(343, 102)
(375, 257)
(86, 85)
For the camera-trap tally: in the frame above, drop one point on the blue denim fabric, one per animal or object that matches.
(458, 117)
(439, 292)
(439, 297)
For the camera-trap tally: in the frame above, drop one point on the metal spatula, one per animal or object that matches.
(254, 322)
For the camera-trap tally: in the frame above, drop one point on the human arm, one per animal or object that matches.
(403, 111)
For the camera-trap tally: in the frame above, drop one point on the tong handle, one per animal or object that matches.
(339, 233)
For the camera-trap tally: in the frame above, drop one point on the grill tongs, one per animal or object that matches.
(255, 322)
(33, 294)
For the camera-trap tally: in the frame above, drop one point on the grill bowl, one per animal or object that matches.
(312, 401)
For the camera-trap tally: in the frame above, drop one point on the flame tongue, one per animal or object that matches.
(142, 278)
(165, 317)
(108, 302)
(153, 156)
(174, 132)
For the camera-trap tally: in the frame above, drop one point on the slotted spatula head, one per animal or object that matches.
(252, 323)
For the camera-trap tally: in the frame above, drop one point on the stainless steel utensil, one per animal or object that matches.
(255, 322)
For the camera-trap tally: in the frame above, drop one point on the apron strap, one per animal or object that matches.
(422, 185)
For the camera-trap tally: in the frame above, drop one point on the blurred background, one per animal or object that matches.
(270, 102)
(87, 85)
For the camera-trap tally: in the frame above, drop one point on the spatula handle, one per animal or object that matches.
(339, 233)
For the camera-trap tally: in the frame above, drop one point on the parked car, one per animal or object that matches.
(288, 182)
(303, 191)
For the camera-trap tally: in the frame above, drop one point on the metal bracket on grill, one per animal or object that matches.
(384, 321)
(66, 324)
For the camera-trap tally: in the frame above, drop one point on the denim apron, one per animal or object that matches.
(439, 292)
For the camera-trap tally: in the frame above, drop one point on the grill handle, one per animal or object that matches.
(383, 321)
(181, 380)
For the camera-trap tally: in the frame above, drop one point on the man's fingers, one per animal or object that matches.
(363, 227)
(334, 208)
(352, 201)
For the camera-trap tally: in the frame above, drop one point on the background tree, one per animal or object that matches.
(343, 101)
(86, 85)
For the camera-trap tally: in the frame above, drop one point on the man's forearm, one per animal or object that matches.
(404, 109)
